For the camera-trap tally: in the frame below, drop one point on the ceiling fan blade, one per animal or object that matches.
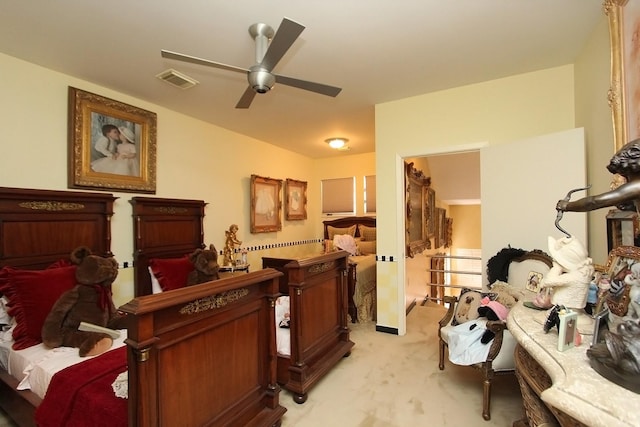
(287, 33)
(195, 60)
(307, 85)
(246, 98)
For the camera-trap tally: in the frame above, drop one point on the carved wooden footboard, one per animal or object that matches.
(202, 355)
(205, 354)
(318, 306)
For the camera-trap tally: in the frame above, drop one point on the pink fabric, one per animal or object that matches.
(500, 310)
(346, 242)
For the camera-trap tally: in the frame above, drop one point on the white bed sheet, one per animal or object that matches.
(283, 335)
(36, 365)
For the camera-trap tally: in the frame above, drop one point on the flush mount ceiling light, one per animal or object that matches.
(337, 143)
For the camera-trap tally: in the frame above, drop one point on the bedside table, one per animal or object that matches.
(233, 268)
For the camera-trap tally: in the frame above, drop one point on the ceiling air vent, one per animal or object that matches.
(177, 79)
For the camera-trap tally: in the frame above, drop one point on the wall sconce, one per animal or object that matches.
(337, 143)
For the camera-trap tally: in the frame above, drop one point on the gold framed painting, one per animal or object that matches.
(266, 204)
(623, 265)
(112, 145)
(296, 200)
(624, 92)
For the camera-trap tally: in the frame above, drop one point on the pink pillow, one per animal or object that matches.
(31, 295)
(172, 273)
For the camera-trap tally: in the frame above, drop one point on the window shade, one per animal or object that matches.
(338, 196)
(370, 194)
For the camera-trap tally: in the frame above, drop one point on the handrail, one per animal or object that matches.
(437, 288)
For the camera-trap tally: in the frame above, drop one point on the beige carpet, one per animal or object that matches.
(393, 381)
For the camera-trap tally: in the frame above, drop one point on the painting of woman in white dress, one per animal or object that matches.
(124, 160)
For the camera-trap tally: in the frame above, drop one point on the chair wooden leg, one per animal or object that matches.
(486, 399)
(441, 352)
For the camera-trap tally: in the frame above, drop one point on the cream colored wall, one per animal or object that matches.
(195, 161)
(491, 112)
(467, 229)
(592, 81)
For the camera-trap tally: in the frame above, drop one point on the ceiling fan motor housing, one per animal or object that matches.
(260, 80)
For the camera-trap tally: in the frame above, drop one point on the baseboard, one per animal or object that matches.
(387, 330)
(411, 306)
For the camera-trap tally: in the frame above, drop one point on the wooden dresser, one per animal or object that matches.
(560, 387)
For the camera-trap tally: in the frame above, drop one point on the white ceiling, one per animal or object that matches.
(376, 50)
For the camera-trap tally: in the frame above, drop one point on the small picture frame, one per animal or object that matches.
(567, 330)
(296, 200)
(266, 204)
(600, 325)
(533, 281)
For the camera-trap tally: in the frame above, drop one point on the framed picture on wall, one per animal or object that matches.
(296, 200)
(112, 145)
(266, 204)
(624, 92)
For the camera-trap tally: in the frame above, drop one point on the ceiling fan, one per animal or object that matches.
(260, 77)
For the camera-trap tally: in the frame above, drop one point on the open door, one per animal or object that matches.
(521, 183)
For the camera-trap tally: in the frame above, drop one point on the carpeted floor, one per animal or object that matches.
(393, 381)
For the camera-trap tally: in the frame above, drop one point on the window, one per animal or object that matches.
(338, 196)
(370, 194)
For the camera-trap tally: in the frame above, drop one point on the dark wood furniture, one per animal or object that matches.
(205, 355)
(38, 228)
(352, 274)
(500, 359)
(319, 331)
(352, 277)
(163, 228)
(227, 323)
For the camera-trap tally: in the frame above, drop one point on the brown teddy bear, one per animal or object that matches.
(89, 301)
(205, 266)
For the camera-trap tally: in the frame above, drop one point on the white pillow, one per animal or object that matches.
(155, 285)
(5, 319)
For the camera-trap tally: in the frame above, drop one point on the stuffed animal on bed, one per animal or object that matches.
(205, 266)
(89, 301)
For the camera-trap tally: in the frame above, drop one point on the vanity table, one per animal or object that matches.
(560, 387)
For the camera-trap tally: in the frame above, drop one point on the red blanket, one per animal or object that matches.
(81, 395)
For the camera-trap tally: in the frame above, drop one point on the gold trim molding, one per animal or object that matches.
(51, 206)
(214, 301)
(170, 210)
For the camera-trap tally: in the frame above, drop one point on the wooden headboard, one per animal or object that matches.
(369, 221)
(163, 228)
(40, 227)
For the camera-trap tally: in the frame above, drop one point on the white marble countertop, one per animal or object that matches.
(577, 389)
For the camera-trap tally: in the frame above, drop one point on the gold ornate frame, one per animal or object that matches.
(618, 266)
(88, 112)
(266, 204)
(621, 19)
(296, 200)
(416, 194)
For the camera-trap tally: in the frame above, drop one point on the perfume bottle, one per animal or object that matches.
(243, 258)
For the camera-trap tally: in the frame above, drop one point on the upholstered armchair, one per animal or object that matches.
(463, 310)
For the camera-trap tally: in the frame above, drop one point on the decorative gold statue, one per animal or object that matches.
(229, 252)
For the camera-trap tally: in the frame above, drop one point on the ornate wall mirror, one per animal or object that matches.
(416, 199)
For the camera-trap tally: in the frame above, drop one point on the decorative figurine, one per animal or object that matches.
(570, 277)
(626, 196)
(618, 357)
(230, 245)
